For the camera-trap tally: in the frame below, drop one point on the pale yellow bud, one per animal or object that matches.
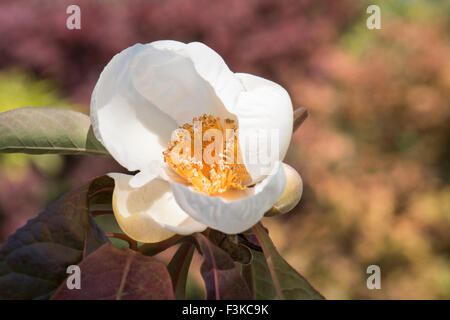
(291, 194)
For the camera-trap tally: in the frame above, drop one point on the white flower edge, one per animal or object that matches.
(154, 212)
(263, 105)
(236, 210)
(150, 213)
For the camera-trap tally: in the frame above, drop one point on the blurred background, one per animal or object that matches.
(374, 153)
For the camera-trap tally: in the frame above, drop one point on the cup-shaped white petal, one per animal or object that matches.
(211, 67)
(185, 80)
(132, 129)
(149, 213)
(233, 211)
(265, 116)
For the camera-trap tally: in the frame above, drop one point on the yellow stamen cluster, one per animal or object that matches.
(210, 177)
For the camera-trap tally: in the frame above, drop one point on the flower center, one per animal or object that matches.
(206, 154)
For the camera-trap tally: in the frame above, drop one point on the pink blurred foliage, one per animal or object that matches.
(19, 202)
(24, 194)
(254, 36)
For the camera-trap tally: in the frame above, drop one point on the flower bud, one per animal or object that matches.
(291, 194)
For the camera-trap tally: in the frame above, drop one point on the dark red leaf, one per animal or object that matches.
(222, 278)
(113, 274)
(34, 260)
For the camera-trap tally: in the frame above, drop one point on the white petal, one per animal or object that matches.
(211, 67)
(142, 178)
(149, 213)
(235, 211)
(168, 45)
(181, 79)
(131, 128)
(264, 111)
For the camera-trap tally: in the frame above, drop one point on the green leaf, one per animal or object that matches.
(42, 130)
(259, 280)
(34, 260)
(289, 284)
(223, 280)
(179, 267)
(113, 274)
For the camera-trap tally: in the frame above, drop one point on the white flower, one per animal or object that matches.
(148, 91)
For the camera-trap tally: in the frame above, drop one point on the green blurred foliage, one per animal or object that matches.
(27, 182)
(18, 89)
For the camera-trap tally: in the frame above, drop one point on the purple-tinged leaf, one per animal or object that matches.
(119, 274)
(34, 260)
(222, 277)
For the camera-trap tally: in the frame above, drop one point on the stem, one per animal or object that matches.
(96, 213)
(150, 249)
(93, 194)
(131, 243)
